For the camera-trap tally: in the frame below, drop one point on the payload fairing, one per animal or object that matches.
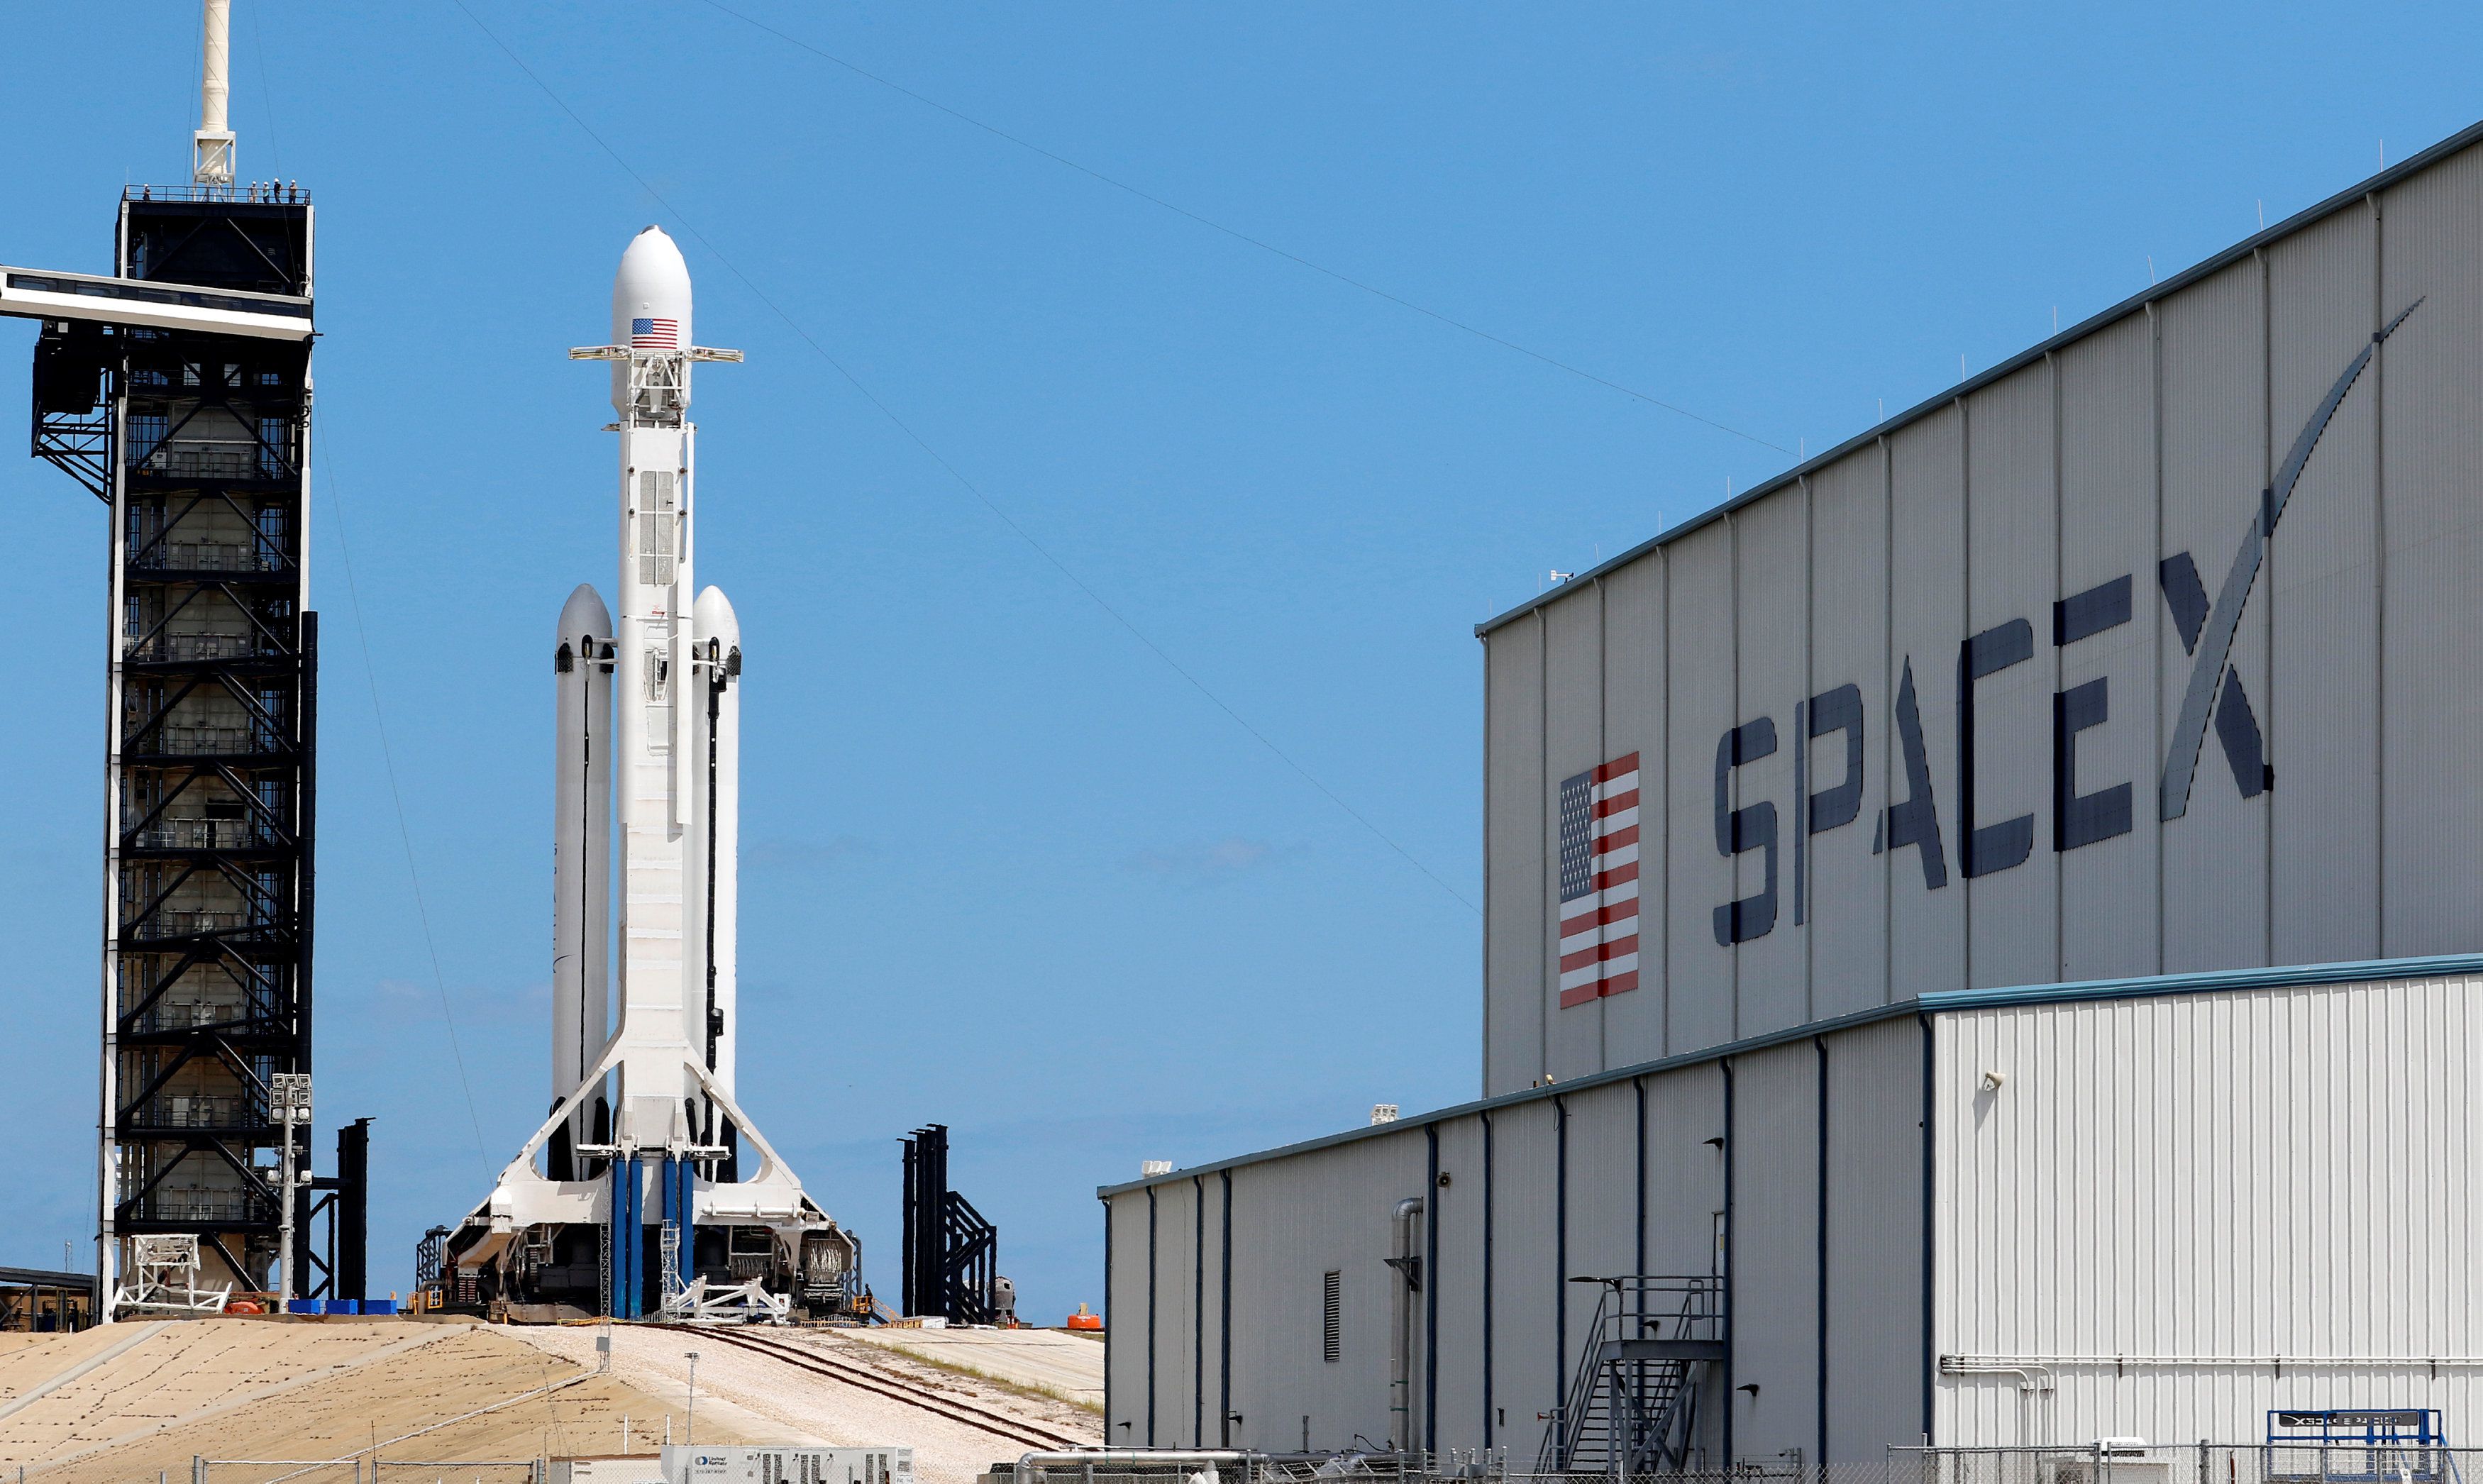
(632, 1196)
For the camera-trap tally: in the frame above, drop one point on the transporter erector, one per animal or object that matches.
(646, 1190)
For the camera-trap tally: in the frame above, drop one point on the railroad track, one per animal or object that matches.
(802, 1357)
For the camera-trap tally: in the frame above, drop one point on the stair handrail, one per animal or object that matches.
(1624, 1309)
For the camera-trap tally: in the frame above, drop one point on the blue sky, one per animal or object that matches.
(1005, 867)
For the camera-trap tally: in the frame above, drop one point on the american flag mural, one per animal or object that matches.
(1599, 882)
(656, 334)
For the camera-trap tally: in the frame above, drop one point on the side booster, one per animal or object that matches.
(646, 1190)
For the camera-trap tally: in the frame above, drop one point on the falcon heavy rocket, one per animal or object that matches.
(633, 1197)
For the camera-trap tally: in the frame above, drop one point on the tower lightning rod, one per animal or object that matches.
(211, 149)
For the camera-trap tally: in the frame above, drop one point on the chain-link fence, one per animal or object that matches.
(2373, 1460)
(271, 1471)
(2370, 1460)
(2377, 1459)
(366, 1468)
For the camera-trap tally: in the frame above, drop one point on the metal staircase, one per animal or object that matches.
(1632, 1402)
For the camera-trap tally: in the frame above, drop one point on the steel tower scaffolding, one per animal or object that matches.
(198, 443)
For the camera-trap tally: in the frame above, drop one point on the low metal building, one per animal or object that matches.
(1976, 931)
(2151, 1207)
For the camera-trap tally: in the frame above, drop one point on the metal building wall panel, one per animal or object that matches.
(1295, 1220)
(2324, 712)
(1775, 1241)
(1456, 1283)
(1845, 897)
(1126, 1286)
(1685, 1205)
(1684, 1169)
(1634, 721)
(1603, 1173)
(1698, 877)
(1279, 1255)
(1771, 648)
(1526, 1278)
(1876, 1373)
(1573, 727)
(1175, 1316)
(1514, 869)
(2107, 409)
(2167, 1214)
(1925, 621)
(1367, 1188)
(2011, 569)
(2215, 464)
(2174, 415)
(1211, 1317)
(2429, 387)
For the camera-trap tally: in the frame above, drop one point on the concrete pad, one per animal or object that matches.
(1054, 1361)
(239, 1389)
(788, 1404)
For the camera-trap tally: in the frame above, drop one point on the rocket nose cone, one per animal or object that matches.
(584, 616)
(654, 284)
(712, 618)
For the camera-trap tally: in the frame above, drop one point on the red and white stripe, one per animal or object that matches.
(1599, 930)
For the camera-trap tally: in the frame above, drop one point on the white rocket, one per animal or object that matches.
(648, 785)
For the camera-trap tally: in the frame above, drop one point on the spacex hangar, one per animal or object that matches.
(1982, 937)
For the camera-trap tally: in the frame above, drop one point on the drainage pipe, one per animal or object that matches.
(1030, 1467)
(1401, 1339)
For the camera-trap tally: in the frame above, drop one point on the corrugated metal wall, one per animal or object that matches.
(1698, 665)
(1518, 991)
(1844, 887)
(1627, 1175)
(2157, 1215)
(2337, 806)
(1634, 706)
(2108, 514)
(1294, 1222)
(2174, 1213)
(1525, 1277)
(1174, 1317)
(2213, 401)
(1878, 1384)
(2430, 672)
(1774, 1245)
(1128, 1286)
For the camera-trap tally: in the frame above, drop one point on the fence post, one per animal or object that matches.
(2203, 1461)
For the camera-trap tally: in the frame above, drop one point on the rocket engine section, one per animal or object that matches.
(647, 1191)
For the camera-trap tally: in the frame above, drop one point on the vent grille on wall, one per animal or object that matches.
(1329, 1347)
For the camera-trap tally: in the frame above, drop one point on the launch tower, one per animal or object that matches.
(178, 391)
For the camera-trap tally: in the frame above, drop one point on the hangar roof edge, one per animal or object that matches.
(2137, 302)
(1939, 1002)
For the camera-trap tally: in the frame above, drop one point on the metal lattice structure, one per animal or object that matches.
(198, 441)
(950, 1251)
(164, 1279)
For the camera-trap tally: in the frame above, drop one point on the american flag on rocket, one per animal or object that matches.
(1599, 882)
(654, 334)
